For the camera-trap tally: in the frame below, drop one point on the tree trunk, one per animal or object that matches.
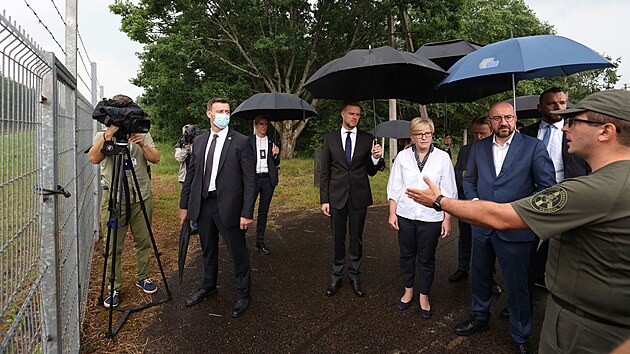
(289, 131)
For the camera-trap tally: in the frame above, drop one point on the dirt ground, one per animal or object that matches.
(290, 312)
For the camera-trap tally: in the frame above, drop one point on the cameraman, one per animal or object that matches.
(142, 150)
(183, 153)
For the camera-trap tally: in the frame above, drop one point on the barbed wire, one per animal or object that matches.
(89, 89)
(58, 13)
(83, 45)
(45, 27)
(89, 75)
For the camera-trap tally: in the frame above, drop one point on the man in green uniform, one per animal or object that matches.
(142, 150)
(586, 220)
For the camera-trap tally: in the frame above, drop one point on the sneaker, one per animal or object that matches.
(109, 302)
(147, 285)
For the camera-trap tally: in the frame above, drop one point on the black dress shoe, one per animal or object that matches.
(332, 287)
(505, 313)
(199, 295)
(470, 326)
(357, 287)
(523, 348)
(458, 275)
(240, 306)
(260, 247)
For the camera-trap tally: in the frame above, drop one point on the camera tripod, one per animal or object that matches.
(119, 189)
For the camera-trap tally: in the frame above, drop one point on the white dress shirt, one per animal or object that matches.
(261, 164)
(555, 146)
(405, 174)
(499, 152)
(353, 138)
(222, 135)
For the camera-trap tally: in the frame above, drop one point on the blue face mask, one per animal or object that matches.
(221, 120)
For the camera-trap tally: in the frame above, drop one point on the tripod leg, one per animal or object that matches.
(120, 192)
(112, 213)
(148, 226)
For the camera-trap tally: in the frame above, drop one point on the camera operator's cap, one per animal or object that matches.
(614, 103)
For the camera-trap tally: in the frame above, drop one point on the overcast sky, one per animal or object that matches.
(600, 25)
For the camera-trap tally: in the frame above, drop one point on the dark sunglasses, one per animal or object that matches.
(570, 121)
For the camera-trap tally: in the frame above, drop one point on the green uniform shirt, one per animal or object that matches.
(587, 220)
(140, 166)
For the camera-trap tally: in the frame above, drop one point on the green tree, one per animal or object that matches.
(198, 49)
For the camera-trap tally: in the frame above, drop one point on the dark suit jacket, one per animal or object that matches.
(460, 169)
(527, 169)
(272, 161)
(340, 182)
(573, 165)
(235, 181)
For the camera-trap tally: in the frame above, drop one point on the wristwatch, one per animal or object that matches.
(436, 203)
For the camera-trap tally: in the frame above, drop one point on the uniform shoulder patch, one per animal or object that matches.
(549, 200)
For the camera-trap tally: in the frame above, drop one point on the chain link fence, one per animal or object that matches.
(48, 199)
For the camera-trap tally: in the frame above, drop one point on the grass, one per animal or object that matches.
(295, 191)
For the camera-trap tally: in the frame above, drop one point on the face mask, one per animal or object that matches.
(221, 120)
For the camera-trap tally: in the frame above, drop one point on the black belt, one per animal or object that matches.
(567, 306)
(212, 195)
(262, 175)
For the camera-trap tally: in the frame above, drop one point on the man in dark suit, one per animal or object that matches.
(502, 168)
(349, 156)
(267, 161)
(219, 193)
(549, 130)
(481, 129)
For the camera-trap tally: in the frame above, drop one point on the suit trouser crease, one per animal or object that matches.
(210, 226)
(513, 259)
(265, 190)
(355, 218)
(141, 238)
(418, 239)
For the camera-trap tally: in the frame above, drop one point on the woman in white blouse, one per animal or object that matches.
(419, 228)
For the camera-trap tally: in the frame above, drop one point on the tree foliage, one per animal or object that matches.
(195, 50)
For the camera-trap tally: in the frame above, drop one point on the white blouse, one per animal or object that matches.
(405, 174)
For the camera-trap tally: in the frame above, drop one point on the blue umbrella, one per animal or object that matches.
(497, 67)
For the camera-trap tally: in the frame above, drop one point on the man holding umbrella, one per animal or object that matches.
(349, 156)
(267, 161)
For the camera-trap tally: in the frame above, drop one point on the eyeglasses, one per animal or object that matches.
(570, 121)
(508, 118)
(423, 135)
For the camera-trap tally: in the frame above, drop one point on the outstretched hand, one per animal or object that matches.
(424, 196)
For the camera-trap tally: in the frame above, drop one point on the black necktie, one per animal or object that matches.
(208, 173)
(348, 148)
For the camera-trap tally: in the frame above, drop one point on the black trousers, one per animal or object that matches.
(418, 239)
(538, 262)
(355, 218)
(265, 190)
(210, 225)
(465, 246)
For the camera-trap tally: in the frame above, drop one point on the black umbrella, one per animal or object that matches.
(447, 53)
(383, 72)
(184, 237)
(527, 106)
(396, 129)
(275, 106)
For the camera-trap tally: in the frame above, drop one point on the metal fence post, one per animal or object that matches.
(49, 244)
